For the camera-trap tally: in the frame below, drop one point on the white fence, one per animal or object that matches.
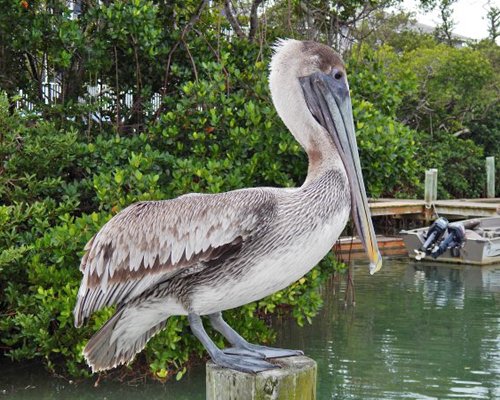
(99, 94)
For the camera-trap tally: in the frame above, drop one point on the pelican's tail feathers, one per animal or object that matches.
(123, 336)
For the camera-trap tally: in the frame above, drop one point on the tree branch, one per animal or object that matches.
(254, 19)
(35, 73)
(192, 21)
(233, 21)
(195, 71)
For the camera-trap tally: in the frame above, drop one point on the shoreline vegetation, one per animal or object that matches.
(73, 156)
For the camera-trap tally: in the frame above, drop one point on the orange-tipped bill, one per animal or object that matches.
(328, 99)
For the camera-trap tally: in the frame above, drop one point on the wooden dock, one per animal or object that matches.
(350, 248)
(420, 209)
(431, 208)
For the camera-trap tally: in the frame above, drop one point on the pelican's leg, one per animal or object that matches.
(242, 347)
(238, 362)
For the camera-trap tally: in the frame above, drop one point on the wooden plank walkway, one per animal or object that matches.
(450, 208)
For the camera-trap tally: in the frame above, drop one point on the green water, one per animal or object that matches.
(416, 332)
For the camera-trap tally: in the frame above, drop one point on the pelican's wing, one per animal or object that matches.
(150, 242)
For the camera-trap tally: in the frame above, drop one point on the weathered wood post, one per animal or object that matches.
(295, 380)
(490, 177)
(430, 195)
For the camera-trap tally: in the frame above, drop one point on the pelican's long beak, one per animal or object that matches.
(327, 97)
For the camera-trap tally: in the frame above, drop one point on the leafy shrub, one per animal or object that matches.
(387, 150)
(410, 104)
(222, 131)
(460, 164)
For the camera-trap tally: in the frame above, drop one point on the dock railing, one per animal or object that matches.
(430, 207)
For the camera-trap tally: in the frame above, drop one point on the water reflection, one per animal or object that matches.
(418, 331)
(31, 382)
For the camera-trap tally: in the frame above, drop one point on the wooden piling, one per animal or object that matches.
(430, 194)
(295, 380)
(490, 177)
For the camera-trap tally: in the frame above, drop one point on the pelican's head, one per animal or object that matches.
(310, 91)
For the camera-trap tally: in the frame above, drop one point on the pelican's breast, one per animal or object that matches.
(308, 223)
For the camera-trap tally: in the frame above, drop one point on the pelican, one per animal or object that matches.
(201, 254)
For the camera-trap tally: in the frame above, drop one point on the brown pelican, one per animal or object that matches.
(200, 254)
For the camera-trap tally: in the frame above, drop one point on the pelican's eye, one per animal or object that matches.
(337, 74)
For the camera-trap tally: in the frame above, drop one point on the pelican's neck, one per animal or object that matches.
(323, 157)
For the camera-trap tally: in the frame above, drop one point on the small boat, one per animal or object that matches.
(472, 241)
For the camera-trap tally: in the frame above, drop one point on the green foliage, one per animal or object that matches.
(454, 87)
(437, 91)
(387, 149)
(456, 113)
(378, 76)
(456, 179)
(222, 130)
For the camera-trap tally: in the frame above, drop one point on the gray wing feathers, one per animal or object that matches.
(151, 241)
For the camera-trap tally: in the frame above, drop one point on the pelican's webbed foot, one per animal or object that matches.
(262, 351)
(240, 362)
(242, 347)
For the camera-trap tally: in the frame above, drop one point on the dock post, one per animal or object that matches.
(490, 177)
(430, 195)
(295, 380)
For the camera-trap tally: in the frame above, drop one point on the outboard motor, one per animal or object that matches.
(434, 235)
(454, 241)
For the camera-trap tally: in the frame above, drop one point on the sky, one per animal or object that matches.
(469, 16)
